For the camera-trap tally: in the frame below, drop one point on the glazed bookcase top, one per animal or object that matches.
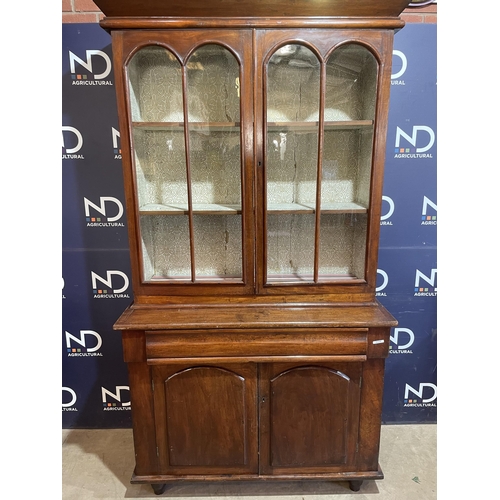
(254, 158)
(252, 8)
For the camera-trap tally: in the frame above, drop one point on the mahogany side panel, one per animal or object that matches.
(378, 157)
(124, 120)
(378, 342)
(370, 414)
(134, 346)
(143, 419)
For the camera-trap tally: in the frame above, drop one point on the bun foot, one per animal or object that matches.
(355, 485)
(159, 488)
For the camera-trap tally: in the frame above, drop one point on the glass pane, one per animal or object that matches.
(343, 246)
(351, 81)
(155, 89)
(290, 247)
(155, 86)
(165, 247)
(160, 165)
(293, 75)
(346, 169)
(293, 97)
(351, 76)
(218, 247)
(215, 161)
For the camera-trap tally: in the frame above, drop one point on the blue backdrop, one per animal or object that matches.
(95, 257)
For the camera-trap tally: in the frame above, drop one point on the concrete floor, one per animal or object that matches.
(99, 464)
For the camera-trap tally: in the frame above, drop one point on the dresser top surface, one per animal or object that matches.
(195, 317)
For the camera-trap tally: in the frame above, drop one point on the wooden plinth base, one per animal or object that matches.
(159, 483)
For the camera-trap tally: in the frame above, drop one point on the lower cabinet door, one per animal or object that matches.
(309, 417)
(206, 419)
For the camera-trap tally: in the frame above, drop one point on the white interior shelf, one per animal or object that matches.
(345, 207)
(183, 209)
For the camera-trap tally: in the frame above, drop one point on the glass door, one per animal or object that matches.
(187, 147)
(319, 121)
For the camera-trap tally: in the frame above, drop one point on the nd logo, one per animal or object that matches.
(101, 208)
(390, 211)
(404, 64)
(108, 281)
(412, 139)
(117, 396)
(74, 138)
(420, 392)
(73, 59)
(385, 280)
(404, 331)
(72, 397)
(81, 340)
(430, 280)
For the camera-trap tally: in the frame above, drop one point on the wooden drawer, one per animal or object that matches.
(256, 345)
